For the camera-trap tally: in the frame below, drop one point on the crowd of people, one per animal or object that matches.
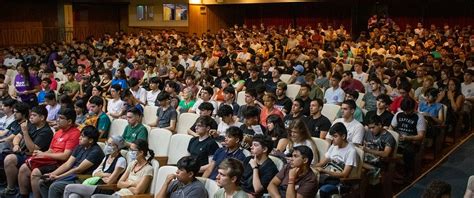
(64, 96)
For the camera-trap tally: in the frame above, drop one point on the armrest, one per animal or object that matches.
(162, 160)
(109, 187)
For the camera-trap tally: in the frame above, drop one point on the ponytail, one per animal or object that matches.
(152, 156)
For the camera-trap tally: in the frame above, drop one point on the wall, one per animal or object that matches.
(158, 14)
(97, 19)
(28, 22)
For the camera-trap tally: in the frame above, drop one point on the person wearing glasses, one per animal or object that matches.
(203, 146)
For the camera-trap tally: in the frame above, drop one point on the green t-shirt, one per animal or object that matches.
(131, 134)
(71, 87)
(103, 124)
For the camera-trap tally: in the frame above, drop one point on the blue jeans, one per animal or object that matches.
(326, 190)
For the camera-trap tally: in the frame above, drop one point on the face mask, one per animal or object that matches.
(132, 155)
(91, 113)
(108, 150)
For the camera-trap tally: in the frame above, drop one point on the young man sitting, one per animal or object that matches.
(183, 182)
(229, 177)
(166, 114)
(296, 179)
(203, 146)
(259, 169)
(135, 129)
(231, 149)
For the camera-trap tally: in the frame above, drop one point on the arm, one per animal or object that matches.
(57, 156)
(123, 183)
(344, 174)
(282, 144)
(28, 141)
(172, 126)
(86, 164)
(164, 189)
(112, 178)
(322, 134)
(209, 169)
(273, 188)
(142, 185)
(64, 167)
(385, 153)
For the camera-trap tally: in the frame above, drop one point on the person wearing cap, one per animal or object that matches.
(166, 114)
(297, 76)
(108, 172)
(35, 135)
(85, 158)
(253, 81)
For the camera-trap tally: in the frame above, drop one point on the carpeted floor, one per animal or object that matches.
(455, 170)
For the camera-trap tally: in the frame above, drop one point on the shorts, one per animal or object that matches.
(47, 169)
(20, 159)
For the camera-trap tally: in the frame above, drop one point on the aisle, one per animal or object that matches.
(455, 170)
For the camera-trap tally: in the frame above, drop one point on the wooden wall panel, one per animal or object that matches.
(198, 22)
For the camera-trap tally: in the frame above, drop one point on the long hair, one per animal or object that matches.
(279, 127)
(142, 145)
(26, 73)
(299, 125)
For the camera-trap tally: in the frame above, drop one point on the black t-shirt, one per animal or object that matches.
(265, 77)
(317, 125)
(202, 149)
(41, 137)
(266, 172)
(284, 103)
(223, 61)
(94, 154)
(253, 84)
(386, 117)
(271, 86)
(306, 104)
(288, 119)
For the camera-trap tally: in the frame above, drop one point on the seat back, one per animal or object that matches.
(159, 141)
(241, 98)
(285, 78)
(210, 185)
(246, 152)
(117, 127)
(323, 147)
(156, 168)
(359, 100)
(395, 136)
(347, 67)
(160, 179)
(149, 115)
(330, 111)
(293, 90)
(185, 121)
(277, 161)
(178, 147)
(357, 173)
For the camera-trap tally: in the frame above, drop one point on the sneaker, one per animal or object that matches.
(9, 192)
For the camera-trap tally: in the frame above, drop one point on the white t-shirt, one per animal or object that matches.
(467, 90)
(362, 77)
(115, 106)
(140, 94)
(355, 130)
(334, 96)
(222, 127)
(346, 156)
(147, 170)
(151, 97)
(53, 112)
(121, 162)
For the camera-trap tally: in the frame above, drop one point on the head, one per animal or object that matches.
(408, 105)
(8, 106)
(251, 116)
(66, 118)
(50, 98)
(281, 89)
(229, 93)
(261, 145)
(316, 106)
(348, 108)
(206, 93)
(305, 90)
(250, 96)
(95, 104)
(188, 168)
(203, 125)
(38, 115)
(22, 110)
(229, 173)
(89, 136)
(383, 101)
(269, 100)
(164, 99)
(233, 137)
(301, 157)
(375, 84)
(226, 113)
(339, 133)
(274, 123)
(438, 189)
(114, 144)
(299, 131)
(431, 95)
(335, 79)
(139, 150)
(134, 116)
(375, 125)
(297, 106)
(206, 109)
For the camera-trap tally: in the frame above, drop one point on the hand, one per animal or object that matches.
(402, 138)
(16, 148)
(38, 153)
(24, 127)
(450, 95)
(213, 133)
(52, 176)
(170, 177)
(293, 173)
(253, 162)
(21, 93)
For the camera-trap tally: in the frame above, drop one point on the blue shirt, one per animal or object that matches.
(432, 109)
(220, 155)
(121, 82)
